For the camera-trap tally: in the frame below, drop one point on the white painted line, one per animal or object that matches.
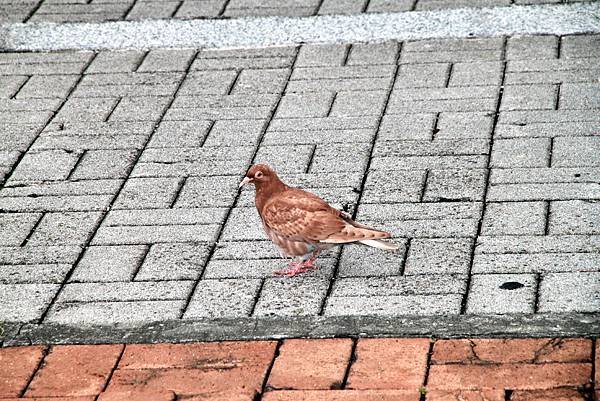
(560, 19)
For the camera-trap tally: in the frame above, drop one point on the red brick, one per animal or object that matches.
(133, 395)
(225, 396)
(222, 355)
(597, 364)
(511, 351)
(83, 398)
(513, 376)
(389, 364)
(74, 370)
(189, 381)
(466, 395)
(311, 364)
(558, 394)
(342, 395)
(17, 364)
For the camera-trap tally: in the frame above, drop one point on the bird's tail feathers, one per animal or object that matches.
(376, 243)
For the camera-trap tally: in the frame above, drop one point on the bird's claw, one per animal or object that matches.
(295, 268)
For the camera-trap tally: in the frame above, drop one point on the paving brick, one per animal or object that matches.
(318, 55)
(358, 103)
(423, 284)
(344, 7)
(366, 261)
(68, 228)
(310, 364)
(528, 47)
(14, 228)
(227, 250)
(196, 9)
(504, 351)
(390, 6)
(180, 134)
(579, 96)
(17, 137)
(109, 263)
(576, 152)
(86, 109)
(305, 105)
(151, 234)
(450, 4)
(98, 164)
(174, 262)
(318, 137)
(542, 191)
(466, 395)
(558, 394)
(241, 62)
(304, 124)
(538, 244)
(422, 211)
(11, 84)
(431, 148)
(298, 297)
(455, 185)
(574, 217)
(478, 73)
(34, 274)
(570, 292)
(261, 268)
(340, 395)
(448, 55)
(535, 263)
(422, 75)
(143, 108)
(203, 355)
(520, 152)
(574, 46)
(235, 132)
(44, 166)
(261, 81)
(456, 99)
(223, 298)
(125, 291)
(116, 61)
(437, 45)
(431, 256)
(501, 294)
(148, 193)
(18, 365)
(79, 203)
(518, 376)
(514, 218)
(76, 313)
(406, 127)
(25, 302)
(399, 186)
(208, 82)
(394, 305)
(528, 97)
(135, 394)
(204, 368)
(38, 255)
(334, 158)
(389, 364)
(163, 217)
(74, 370)
(373, 53)
(339, 84)
(146, 10)
(49, 86)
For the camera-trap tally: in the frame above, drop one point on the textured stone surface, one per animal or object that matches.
(119, 170)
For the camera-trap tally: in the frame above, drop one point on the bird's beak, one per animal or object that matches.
(245, 181)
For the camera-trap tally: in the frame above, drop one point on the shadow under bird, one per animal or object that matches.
(301, 224)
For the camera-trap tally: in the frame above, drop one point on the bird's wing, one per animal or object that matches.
(301, 216)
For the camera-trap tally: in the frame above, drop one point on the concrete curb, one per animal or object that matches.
(180, 331)
(560, 19)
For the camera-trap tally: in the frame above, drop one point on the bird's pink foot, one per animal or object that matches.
(295, 268)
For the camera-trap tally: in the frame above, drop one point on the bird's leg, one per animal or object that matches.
(293, 269)
(310, 262)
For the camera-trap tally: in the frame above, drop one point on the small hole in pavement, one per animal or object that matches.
(511, 285)
(577, 175)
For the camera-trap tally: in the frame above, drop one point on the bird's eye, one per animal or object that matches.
(258, 174)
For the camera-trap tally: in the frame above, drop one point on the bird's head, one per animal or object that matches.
(258, 175)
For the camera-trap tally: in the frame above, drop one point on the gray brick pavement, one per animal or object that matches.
(119, 173)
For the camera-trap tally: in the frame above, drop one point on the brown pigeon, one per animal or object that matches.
(301, 224)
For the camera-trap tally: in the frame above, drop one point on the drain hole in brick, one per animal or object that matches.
(577, 175)
(511, 285)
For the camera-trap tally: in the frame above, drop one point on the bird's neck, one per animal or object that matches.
(266, 190)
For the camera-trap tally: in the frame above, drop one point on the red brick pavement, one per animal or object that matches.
(306, 370)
